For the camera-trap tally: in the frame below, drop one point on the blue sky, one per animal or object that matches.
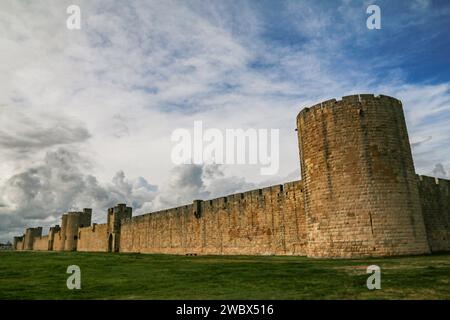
(413, 40)
(86, 115)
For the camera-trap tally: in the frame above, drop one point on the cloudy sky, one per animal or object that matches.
(86, 115)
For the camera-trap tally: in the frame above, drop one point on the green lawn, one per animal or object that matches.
(33, 275)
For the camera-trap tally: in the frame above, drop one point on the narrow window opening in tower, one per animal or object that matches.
(371, 223)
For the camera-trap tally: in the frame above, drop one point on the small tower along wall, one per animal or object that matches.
(74, 221)
(30, 234)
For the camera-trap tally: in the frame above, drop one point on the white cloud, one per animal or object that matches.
(420, 4)
(62, 183)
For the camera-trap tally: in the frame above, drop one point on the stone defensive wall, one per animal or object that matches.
(359, 196)
(93, 238)
(268, 221)
(435, 199)
(41, 243)
(264, 221)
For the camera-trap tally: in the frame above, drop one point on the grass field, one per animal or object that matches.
(33, 275)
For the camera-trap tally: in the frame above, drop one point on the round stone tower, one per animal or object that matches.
(72, 231)
(69, 229)
(360, 188)
(62, 234)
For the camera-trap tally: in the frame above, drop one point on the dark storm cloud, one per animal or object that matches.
(23, 133)
(189, 182)
(40, 194)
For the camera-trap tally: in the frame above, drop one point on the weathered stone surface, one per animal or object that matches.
(435, 195)
(361, 194)
(265, 221)
(30, 235)
(93, 238)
